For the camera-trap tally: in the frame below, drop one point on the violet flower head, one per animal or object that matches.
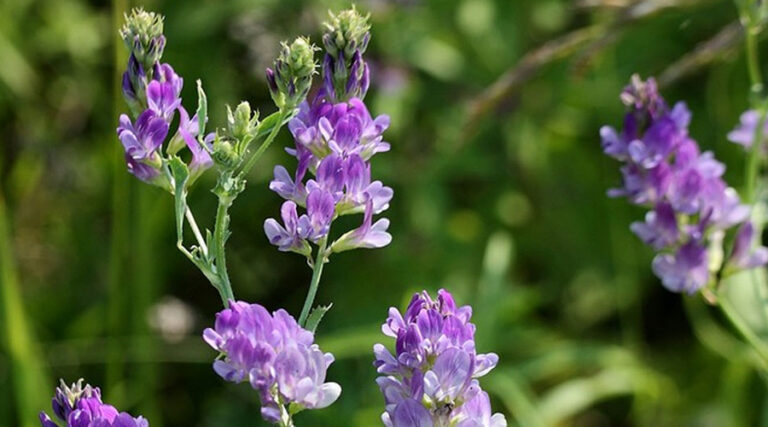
(152, 90)
(81, 406)
(691, 205)
(433, 374)
(275, 355)
(334, 144)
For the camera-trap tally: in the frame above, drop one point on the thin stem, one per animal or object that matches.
(196, 231)
(753, 63)
(753, 159)
(264, 145)
(751, 29)
(317, 271)
(220, 238)
(757, 344)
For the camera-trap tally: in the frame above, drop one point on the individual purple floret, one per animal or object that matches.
(275, 355)
(141, 140)
(745, 133)
(81, 406)
(432, 377)
(691, 206)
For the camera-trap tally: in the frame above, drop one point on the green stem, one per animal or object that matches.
(757, 344)
(753, 160)
(317, 271)
(753, 63)
(756, 87)
(196, 231)
(264, 145)
(220, 237)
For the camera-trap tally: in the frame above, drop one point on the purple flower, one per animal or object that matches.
(80, 406)
(358, 188)
(320, 211)
(133, 84)
(685, 271)
(477, 413)
(744, 254)
(162, 99)
(188, 131)
(275, 355)
(660, 228)
(408, 413)
(164, 92)
(434, 370)
(292, 189)
(745, 133)
(367, 235)
(141, 142)
(292, 236)
(664, 168)
(335, 143)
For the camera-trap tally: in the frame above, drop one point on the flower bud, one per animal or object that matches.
(224, 153)
(290, 79)
(346, 32)
(134, 85)
(143, 36)
(345, 73)
(242, 123)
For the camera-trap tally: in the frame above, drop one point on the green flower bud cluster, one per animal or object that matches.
(290, 79)
(231, 144)
(143, 36)
(346, 32)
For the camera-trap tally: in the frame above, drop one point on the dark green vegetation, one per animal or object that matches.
(499, 196)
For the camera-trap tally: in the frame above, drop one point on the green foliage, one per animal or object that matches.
(499, 196)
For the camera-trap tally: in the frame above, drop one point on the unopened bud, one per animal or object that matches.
(345, 73)
(143, 36)
(290, 79)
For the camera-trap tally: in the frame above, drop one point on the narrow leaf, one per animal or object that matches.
(180, 175)
(202, 109)
(315, 316)
(266, 125)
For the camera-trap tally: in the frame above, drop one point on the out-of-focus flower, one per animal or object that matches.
(81, 406)
(746, 253)
(275, 355)
(172, 318)
(433, 374)
(744, 134)
(691, 205)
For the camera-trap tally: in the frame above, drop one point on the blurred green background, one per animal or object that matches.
(499, 197)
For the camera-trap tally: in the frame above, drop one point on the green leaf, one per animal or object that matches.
(202, 109)
(266, 125)
(180, 176)
(748, 290)
(315, 316)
